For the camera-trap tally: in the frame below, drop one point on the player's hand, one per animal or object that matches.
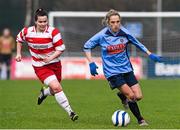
(18, 58)
(47, 59)
(155, 57)
(93, 68)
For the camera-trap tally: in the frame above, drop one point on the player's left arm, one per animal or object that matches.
(57, 44)
(139, 45)
(56, 54)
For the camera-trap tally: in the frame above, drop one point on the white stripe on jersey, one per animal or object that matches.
(56, 38)
(61, 48)
(38, 35)
(41, 63)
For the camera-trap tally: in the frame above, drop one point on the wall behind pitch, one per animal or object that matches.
(72, 68)
(169, 68)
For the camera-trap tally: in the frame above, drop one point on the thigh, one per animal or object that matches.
(56, 68)
(44, 74)
(7, 60)
(58, 71)
(116, 81)
(127, 91)
(130, 79)
(55, 86)
(137, 91)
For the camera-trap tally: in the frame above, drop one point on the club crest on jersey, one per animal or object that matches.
(108, 39)
(114, 49)
(121, 40)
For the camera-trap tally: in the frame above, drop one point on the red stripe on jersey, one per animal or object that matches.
(42, 51)
(36, 59)
(38, 40)
(21, 35)
(55, 32)
(25, 31)
(58, 43)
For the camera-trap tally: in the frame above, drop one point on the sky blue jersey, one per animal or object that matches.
(114, 53)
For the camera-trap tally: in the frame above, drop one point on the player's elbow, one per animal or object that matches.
(86, 49)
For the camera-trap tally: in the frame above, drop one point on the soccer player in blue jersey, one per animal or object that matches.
(113, 40)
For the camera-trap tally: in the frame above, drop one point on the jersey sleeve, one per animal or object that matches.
(21, 36)
(134, 41)
(92, 42)
(57, 40)
(138, 44)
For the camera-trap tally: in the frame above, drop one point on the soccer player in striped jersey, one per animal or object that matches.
(45, 46)
(113, 40)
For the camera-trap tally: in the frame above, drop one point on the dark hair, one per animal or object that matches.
(40, 12)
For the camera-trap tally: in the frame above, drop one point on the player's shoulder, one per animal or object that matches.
(102, 32)
(50, 28)
(30, 28)
(53, 30)
(27, 29)
(122, 28)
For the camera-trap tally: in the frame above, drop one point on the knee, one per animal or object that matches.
(131, 96)
(56, 89)
(139, 97)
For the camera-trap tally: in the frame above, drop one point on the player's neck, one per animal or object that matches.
(39, 30)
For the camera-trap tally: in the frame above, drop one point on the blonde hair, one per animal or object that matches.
(111, 12)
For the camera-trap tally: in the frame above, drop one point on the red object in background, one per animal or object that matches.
(23, 69)
(72, 68)
(137, 66)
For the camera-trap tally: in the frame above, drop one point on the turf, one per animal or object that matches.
(94, 102)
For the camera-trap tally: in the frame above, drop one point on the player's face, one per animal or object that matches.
(114, 23)
(41, 23)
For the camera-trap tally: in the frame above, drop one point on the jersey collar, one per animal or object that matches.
(111, 33)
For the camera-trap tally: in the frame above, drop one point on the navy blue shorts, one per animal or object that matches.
(117, 81)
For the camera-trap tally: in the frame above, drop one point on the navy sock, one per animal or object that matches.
(121, 96)
(135, 110)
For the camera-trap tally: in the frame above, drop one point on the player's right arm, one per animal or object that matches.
(18, 52)
(20, 39)
(90, 44)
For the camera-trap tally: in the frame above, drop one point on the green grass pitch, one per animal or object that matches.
(94, 102)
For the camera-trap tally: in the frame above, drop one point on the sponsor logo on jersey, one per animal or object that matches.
(40, 46)
(114, 49)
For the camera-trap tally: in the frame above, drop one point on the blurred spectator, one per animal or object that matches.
(7, 44)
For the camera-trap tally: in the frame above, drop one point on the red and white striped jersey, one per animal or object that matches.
(41, 44)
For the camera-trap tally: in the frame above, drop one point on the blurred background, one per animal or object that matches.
(160, 35)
